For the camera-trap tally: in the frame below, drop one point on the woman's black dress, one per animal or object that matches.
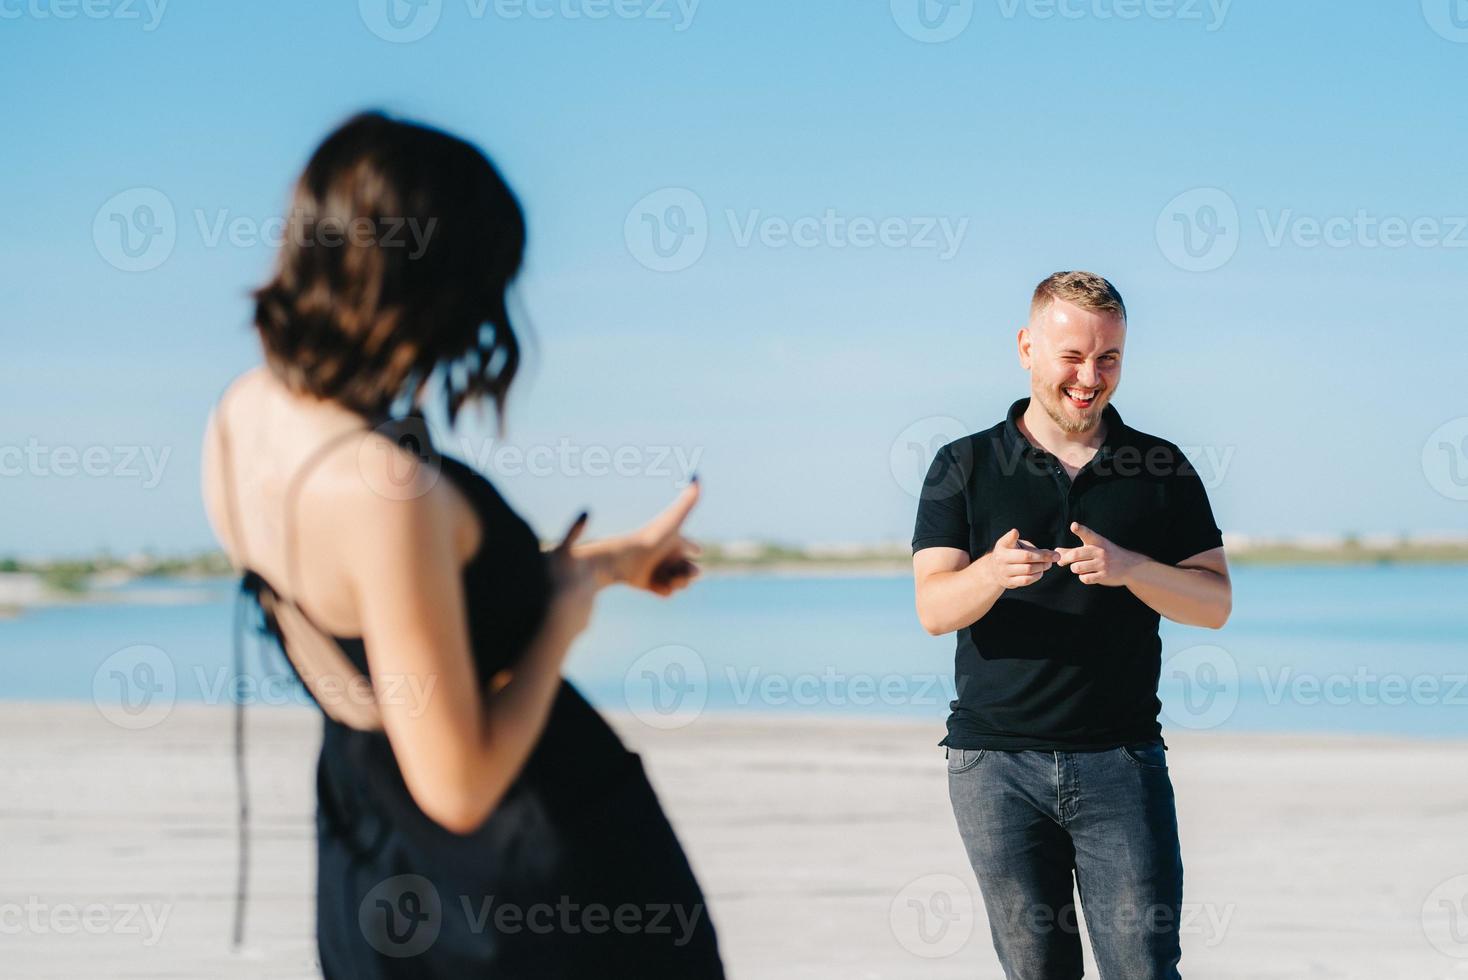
(577, 873)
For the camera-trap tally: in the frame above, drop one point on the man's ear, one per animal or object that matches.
(1024, 347)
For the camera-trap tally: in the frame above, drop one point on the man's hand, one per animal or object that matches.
(1098, 561)
(1013, 563)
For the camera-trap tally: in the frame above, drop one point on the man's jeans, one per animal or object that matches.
(1031, 820)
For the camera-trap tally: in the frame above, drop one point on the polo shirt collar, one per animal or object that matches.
(1115, 431)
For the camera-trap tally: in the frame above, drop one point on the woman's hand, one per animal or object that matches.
(575, 583)
(656, 557)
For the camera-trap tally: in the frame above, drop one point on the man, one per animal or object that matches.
(1052, 543)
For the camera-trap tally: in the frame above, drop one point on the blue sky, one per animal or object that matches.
(1312, 162)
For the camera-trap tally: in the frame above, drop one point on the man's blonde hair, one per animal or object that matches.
(1085, 289)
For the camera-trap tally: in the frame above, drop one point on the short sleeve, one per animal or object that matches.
(1191, 528)
(942, 516)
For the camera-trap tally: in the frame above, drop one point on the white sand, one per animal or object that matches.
(1306, 857)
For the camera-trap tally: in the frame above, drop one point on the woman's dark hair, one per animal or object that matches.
(399, 247)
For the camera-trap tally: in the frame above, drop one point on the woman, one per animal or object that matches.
(476, 817)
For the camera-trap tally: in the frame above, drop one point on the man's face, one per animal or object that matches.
(1074, 359)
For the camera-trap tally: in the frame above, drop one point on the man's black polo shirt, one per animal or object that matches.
(1060, 665)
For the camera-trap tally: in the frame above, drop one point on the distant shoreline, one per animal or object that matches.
(29, 585)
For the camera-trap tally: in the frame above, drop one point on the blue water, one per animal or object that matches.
(1351, 649)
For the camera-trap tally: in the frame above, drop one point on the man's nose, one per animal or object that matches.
(1086, 374)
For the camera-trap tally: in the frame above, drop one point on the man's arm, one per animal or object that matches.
(953, 592)
(1194, 592)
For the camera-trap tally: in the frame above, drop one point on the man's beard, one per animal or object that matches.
(1085, 422)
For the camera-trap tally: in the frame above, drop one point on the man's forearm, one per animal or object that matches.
(948, 601)
(1192, 596)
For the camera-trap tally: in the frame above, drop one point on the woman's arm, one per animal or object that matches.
(459, 747)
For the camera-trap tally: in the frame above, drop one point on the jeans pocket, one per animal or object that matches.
(962, 760)
(1146, 755)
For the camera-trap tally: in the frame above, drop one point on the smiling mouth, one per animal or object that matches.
(1081, 397)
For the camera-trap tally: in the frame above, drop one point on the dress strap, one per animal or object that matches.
(242, 786)
(293, 490)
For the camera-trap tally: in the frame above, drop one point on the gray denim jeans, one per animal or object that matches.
(1040, 826)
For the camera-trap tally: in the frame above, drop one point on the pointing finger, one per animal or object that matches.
(1084, 533)
(676, 513)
